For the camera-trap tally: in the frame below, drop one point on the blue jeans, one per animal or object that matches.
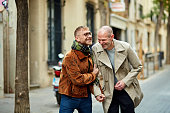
(69, 104)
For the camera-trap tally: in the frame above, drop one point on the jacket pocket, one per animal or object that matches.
(104, 74)
(104, 71)
(139, 94)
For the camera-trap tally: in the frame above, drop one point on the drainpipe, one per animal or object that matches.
(6, 52)
(1, 58)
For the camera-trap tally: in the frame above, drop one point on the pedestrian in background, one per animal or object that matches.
(77, 75)
(118, 66)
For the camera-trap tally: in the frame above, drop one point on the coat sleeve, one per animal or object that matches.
(97, 90)
(74, 73)
(136, 66)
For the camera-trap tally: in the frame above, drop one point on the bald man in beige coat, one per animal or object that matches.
(119, 65)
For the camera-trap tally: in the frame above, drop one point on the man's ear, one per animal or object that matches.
(112, 36)
(77, 38)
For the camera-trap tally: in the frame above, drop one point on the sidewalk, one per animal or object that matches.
(156, 89)
(41, 101)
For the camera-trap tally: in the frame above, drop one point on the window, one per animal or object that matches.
(159, 43)
(117, 33)
(54, 31)
(90, 18)
(141, 11)
(148, 42)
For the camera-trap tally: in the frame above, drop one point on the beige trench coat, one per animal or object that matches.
(127, 66)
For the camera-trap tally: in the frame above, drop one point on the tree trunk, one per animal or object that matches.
(168, 41)
(158, 25)
(21, 78)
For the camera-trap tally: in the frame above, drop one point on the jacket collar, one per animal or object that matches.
(119, 56)
(118, 47)
(80, 54)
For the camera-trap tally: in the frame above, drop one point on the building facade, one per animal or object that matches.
(130, 26)
(51, 31)
(51, 28)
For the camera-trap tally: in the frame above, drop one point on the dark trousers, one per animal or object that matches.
(69, 104)
(122, 99)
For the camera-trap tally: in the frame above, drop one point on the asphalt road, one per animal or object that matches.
(156, 91)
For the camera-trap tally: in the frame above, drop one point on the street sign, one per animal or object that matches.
(117, 6)
(3, 5)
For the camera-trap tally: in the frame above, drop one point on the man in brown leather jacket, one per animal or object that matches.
(76, 79)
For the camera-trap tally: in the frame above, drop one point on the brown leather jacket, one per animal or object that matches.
(76, 75)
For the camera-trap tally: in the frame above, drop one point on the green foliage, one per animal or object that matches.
(156, 9)
(104, 2)
(167, 5)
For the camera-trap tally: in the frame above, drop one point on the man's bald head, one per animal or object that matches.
(107, 29)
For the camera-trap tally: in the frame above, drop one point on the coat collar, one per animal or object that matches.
(81, 56)
(119, 56)
(117, 44)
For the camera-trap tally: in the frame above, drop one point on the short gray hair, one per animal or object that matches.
(79, 29)
(107, 29)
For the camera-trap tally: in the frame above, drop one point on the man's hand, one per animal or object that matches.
(120, 85)
(95, 70)
(100, 97)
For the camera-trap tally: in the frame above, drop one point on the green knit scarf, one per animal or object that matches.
(79, 47)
